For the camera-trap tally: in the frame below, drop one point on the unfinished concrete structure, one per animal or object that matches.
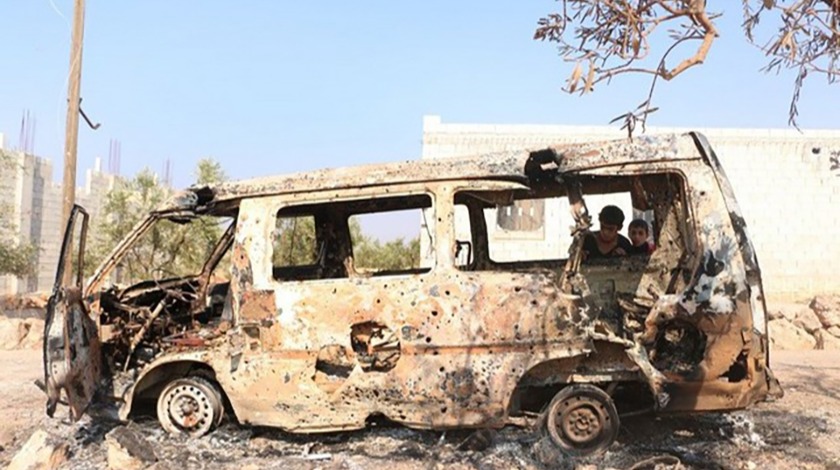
(28, 188)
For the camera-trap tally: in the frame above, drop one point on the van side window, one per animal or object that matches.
(353, 238)
(499, 230)
(619, 281)
(392, 242)
(294, 241)
(298, 251)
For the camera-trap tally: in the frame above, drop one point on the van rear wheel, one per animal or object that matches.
(190, 406)
(581, 420)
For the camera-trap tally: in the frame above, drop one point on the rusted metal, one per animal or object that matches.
(462, 341)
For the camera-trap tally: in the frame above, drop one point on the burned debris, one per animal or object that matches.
(288, 320)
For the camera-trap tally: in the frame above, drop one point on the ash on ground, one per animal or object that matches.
(759, 438)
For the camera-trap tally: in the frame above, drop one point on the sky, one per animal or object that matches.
(269, 87)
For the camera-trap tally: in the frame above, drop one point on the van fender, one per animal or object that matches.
(175, 364)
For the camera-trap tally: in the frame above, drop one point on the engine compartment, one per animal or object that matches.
(141, 321)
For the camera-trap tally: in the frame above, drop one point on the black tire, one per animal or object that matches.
(190, 406)
(580, 420)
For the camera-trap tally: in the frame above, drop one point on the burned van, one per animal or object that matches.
(496, 313)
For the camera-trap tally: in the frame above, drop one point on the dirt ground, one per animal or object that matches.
(802, 430)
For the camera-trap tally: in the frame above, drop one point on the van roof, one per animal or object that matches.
(505, 165)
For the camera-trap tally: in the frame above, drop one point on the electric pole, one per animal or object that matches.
(71, 136)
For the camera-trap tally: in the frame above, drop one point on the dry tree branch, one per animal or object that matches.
(614, 36)
(603, 31)
(807, 40)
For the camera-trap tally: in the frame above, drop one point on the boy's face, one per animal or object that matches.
(638, 235)
(608, 232)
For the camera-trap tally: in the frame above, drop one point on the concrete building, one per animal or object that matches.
(28, 190)
(787, 184)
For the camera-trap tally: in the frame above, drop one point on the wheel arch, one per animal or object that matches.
(607, 363)
(154, 378)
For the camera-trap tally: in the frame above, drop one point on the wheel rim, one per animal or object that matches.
(581, 423)
(189, 409)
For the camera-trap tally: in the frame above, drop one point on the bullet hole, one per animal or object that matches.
(517, 289)
(534, 302)
(441, 369)
(378, 301)
(428, 339)
(434, 313)
(816, 150)
(443, 409)
(446, 292)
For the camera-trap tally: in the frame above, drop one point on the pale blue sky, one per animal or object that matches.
(281, 86)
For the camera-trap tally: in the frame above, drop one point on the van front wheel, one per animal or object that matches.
(581, 420)
(190, 406)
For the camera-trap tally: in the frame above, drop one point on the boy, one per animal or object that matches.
(607, 242)
(639, 233)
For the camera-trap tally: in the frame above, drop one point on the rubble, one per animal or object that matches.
(808, 321)
(787, 311)
(827, 309)
(811, 325)
(827, 341)
(24, 304)
(42, 452)
(20, 333)
(785, 335)
(128, 449)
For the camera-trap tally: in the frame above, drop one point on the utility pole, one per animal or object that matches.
(71, 136)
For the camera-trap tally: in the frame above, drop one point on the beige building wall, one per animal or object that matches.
(787, 184)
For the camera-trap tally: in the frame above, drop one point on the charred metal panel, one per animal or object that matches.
(257, 306)
(510, 165)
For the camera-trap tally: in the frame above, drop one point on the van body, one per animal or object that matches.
(282, 327)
